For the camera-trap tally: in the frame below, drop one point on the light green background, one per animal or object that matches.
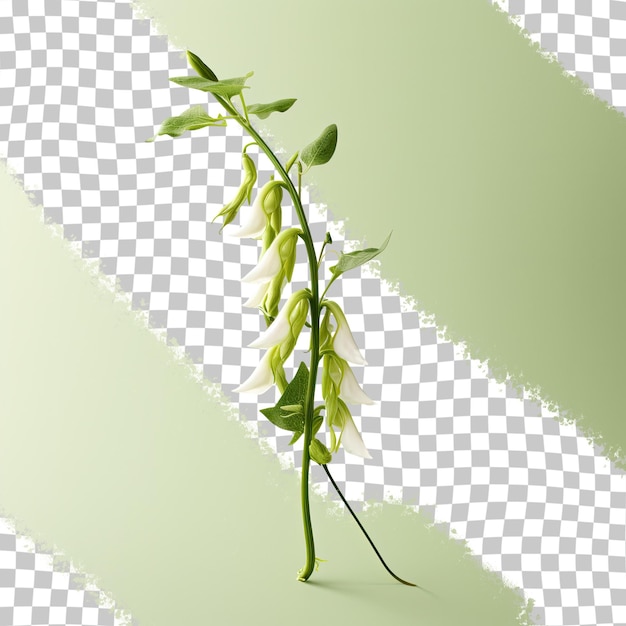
(499, 179)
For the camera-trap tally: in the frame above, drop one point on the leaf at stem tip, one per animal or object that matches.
(265, 110)
(294, 395)
(200, 66)
(192, 119)
(358, 257)
(322, 149)
(227, 88)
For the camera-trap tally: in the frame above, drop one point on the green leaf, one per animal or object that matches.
(322, 149)
(294, 394)
(358, 257)
(191, 119)
(200, 66)
(265, 110)
(226, 88)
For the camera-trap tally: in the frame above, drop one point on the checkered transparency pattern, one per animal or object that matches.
(84, 83)
(588, 37)
(36, 587)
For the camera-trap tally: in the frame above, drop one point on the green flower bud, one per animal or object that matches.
(319, 452)
(272, 198)
(200, 66)
(250, 174)
(273, 293)
(229, 212)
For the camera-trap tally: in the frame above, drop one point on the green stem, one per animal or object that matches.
(319, 262)
(316, 304)
(245, 108)
(305, 572)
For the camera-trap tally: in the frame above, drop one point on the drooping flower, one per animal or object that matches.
(261, 379)
(350, 437)
(254, 224)
(274, 293)
(343, 341)
(281, 254)
(351, 391)
(256, 299)
(266, 202)
(288, 323)
(339, 386)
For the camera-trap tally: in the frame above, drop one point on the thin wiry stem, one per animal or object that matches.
(356, 519)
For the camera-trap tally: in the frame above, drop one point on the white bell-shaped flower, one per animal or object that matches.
(277, 332)
(288, 321)
(343, 341)
(256, 298)
(351, 438)
(261, 379)
(266, 202)
(272, 260)
(350, 390)
(254, 224)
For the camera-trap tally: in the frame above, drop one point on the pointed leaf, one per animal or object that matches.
(191, 119)
(295, 438)
(227, 88)
(358, 257)
(322, 149)
(264, 110)
(200, 66)
(294, 394)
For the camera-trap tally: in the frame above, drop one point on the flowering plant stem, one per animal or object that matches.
(296, 409)
(307, 569)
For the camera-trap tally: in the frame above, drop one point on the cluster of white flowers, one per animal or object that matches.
(275, 268)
